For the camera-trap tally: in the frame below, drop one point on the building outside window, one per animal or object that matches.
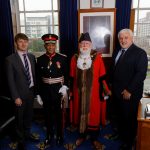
(35, 18)
(142, 31)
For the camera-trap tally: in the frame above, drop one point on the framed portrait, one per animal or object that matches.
(96, 3)
(100, 24)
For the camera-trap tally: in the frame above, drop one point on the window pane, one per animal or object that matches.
(23, 29)
(147, 80)
(36, 45)
(144, 16)
(20, 5)
(56, 30)
(31, 5)
(55, 18)
(38, 31)
(142, 32)
(22, 21)
(135, 30)
(57, 47)
(38, 18)
(143, 38)
(135, 3)
(144, 4)
(55, 4)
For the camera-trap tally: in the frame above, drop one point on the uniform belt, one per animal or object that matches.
(53, 80)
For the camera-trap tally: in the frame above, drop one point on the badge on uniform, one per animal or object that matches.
(49, 64)
(58, 64)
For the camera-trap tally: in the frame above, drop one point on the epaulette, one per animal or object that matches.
(62, 54)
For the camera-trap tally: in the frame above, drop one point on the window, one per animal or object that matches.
(35, 18)
(142, 31)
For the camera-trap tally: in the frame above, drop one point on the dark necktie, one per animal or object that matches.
(121, 56)
(27, 69)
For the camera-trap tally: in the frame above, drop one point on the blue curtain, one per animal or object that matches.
(123, 9)
(6, 39)
(6, 30)
(68, 27)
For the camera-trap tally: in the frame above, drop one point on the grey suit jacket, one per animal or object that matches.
(17, 81)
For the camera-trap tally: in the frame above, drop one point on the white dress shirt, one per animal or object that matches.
(118, 55)
(20, 53)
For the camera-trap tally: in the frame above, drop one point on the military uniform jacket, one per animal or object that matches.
(51, 68)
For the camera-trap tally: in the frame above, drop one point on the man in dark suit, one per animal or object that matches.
(20, 69)
(128, 74)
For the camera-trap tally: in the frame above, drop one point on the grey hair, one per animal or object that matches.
(125, 31)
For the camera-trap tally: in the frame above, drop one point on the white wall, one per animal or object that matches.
(85, 4)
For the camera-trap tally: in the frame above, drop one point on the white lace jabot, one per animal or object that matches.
(84, 62)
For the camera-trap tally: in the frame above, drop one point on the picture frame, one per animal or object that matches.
(100, 23)
(96, 3)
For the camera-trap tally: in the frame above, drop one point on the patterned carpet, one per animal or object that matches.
(69, 138)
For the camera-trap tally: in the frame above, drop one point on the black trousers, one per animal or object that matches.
(126, 118)
(23, 116)
(53, 111)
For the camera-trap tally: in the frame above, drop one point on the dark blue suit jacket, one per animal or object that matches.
(130, 73)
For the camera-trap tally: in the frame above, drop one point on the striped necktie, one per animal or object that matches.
(27, 69)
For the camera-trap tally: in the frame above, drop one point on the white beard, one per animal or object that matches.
(85, 52)
(84, 61)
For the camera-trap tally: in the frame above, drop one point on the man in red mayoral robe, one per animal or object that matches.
(87, 86)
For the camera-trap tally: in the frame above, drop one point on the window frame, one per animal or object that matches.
(136, 35)
(24, 12)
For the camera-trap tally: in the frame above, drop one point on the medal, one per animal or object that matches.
(84, 64)
(58, 64)
(49, 64)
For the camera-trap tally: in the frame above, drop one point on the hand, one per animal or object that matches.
(63, 90)
(126, 94)
(39, 100)
(18, 102)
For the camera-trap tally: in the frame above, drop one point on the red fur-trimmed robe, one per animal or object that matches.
(85, 93)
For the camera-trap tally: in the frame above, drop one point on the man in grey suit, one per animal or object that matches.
(128, 74)
(20, 69)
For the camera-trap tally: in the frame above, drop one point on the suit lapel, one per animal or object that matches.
(125, 56)
(128, 52)
(20, 63)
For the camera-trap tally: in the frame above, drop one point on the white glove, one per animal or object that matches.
(39, 100)
(106, 97)
(63, 90)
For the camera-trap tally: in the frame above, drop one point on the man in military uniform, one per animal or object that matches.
(52, 75)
